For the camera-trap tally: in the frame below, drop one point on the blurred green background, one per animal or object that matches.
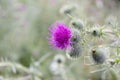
(24, 30)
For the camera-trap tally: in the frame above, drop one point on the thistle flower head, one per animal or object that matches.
(60, 35)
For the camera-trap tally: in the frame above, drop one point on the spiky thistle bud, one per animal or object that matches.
(96, 32)
(111, 21)
(59, 59)
(57, 65)
(77, 23)
(68, 9)
(99, 55)
(74, 51)
(75, 36)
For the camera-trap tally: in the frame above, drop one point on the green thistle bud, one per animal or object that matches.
(96, 32)
(75, 36)
(59, 59)
(99, 55)
(77, 23)
(74, 51)
(68, 9)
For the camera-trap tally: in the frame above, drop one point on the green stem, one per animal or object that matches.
(70, 16)
(20, 67)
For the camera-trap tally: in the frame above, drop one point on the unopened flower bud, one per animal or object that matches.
(111, 21)
(68, 9)
(77, 23)
(95, 32)
(57, 65)
(99, 55)
(59, 59)
(111, 61)
(75, 36)
(74, 52)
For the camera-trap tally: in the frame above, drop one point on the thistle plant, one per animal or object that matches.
(96, 38)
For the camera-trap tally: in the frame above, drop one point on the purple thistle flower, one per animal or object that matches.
(60, 35)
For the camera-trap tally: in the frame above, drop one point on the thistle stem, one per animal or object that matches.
(20, 67)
